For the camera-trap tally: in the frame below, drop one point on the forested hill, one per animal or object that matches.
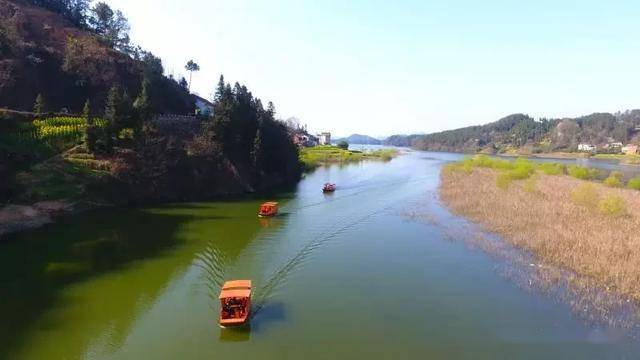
(401, 140)
(543, 135)
(67, 51)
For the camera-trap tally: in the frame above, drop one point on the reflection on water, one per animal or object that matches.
(335, 276)
(240, 334)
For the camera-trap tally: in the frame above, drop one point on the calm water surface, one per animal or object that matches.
(349, 275)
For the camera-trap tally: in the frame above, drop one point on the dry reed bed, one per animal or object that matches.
(548, 223)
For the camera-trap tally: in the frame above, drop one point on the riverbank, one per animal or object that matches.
(551, 155)
(313, 157)
(622, 158)
(15, 218)
(583, 226)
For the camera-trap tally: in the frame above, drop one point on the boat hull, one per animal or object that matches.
(234, 323)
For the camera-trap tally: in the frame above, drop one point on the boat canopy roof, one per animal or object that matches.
(236, 289)
(270, 203)
(237, 284)
(235, 293)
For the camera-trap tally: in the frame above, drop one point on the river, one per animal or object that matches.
(377, 270)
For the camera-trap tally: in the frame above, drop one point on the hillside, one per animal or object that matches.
(136, 140)
(360, 140)
(521, 131)
(401, 140)
(43, 52)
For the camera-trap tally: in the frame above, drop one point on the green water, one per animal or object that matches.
(356, 274)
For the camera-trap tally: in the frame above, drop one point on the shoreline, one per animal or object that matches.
(552, 155)
(313, 157)
(18, 218)
(622, 159)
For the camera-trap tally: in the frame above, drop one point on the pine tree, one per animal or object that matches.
(86, 112)
(91, 132)
(111, 111)
(183, 83)
(257, 152)
(219, 90)
(126, 112)
(113, 115)
(271, 109)
(39, 106)
(142, 105)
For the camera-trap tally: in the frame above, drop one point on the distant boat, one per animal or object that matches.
(268, 209)
(235, 303)
(328, 187)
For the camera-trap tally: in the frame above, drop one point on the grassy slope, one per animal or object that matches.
(321, 155)
(66, 176)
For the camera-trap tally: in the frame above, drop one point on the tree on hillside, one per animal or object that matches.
(191, 67)
(183, 83)
(257, 151)
(73, 10)
(119, 115)
(39, 105)
(246, 133)
(565, 135)
(111, 25)
(217, 96)
(128, 116)
(112, 114)
(271, 109)
(86, 111)
(91, 131)
(142, 105)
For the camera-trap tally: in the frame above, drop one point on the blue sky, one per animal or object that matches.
(384, 67)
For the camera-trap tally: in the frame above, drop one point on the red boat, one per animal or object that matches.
(268, 209)
(328, 187)
(235, 303)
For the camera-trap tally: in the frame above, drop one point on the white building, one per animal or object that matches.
(203, 106)
(324, 138)
(586, 147)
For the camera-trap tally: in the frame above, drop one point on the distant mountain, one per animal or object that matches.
(544, 135)
(361, 140)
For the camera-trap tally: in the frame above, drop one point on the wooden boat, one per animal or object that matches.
(235, 303)
(268, 209)
(328, 187)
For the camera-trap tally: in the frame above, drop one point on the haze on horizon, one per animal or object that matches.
(379, 68)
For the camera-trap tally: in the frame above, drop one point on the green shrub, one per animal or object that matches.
(584, 173)
(522, 169)
(126, 134)
(613, 181)
(585, 195)
(578, 172)
(485, 161)
(612, 205)
(504, 180)
(634, 183)
(617, 174)
(551, 168)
